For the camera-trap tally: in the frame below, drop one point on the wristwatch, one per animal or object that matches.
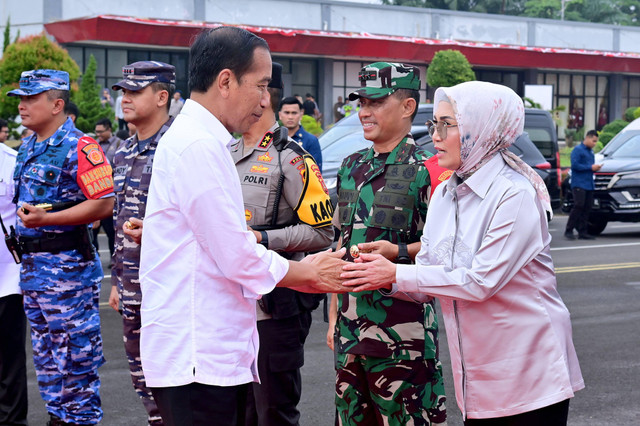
(264, 238)
(403, 254)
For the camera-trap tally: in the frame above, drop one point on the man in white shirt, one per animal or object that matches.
(201, 270)
(13, 323)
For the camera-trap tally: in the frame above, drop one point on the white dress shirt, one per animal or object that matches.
(485, 254)
(9, 270)
(201, 271)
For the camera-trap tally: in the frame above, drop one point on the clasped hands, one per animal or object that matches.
(370, 271)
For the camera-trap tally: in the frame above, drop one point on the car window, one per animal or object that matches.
(346, 146)
(619, 140)
(543, 140)
(345, 126)
(630, 149)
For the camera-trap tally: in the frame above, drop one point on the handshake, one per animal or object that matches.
(326, 272)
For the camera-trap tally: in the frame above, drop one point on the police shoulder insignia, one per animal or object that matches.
(247, 215)
(296, 160)
(266, 158)
(266, 140)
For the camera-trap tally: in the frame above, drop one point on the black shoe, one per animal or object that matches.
(586, 237)
(569, 235)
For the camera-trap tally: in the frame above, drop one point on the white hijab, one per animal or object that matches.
(490, 118)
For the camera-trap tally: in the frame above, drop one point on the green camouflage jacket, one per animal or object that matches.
(384, 197)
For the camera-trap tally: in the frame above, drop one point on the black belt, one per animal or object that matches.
(51, 242)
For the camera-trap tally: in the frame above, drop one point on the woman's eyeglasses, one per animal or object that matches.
(440, 127)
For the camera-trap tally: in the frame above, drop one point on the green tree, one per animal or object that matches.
(448, 68)
(88, 100)
(30, 53)
(7, 34)
(549, 9)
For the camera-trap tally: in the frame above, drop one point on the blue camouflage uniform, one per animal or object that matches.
(132, 175)
(61, 290)
(132, 165)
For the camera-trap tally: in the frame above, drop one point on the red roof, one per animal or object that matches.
(157, 32)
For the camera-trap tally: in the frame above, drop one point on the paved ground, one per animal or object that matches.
(599, 281)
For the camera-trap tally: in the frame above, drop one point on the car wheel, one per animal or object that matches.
(596, 226)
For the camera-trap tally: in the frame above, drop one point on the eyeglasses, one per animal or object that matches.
(440, 126)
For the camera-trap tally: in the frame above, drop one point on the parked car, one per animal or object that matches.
(617, 184)
(346, 137)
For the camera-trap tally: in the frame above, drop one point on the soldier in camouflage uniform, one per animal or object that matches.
(61, 273)
(268, 163)
(388, 371)
(148, 87)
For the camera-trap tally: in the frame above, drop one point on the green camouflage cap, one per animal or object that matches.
(381, 79)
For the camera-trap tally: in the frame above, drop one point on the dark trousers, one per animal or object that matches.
(13, 370)
(107, 225)
(197, 404)
(274, 401)
(553, 415)
(579, 216)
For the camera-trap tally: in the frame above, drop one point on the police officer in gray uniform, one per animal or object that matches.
(288, 208)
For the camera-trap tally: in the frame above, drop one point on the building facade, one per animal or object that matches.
(593, 69)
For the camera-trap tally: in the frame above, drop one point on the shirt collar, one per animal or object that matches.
(209, 121)
(481, 180)
(397, 154)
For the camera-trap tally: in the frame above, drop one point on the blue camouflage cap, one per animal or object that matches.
(138, 75)
(38, 81)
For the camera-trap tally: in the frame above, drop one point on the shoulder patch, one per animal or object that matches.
(95, 177)
(266, 140)
(91, 150)
(296, 160)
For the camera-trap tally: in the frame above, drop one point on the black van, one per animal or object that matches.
(542, 131)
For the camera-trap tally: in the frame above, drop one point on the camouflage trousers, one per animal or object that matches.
(67, 351)
(131, 324)
(382, 391)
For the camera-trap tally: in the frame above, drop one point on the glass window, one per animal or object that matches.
(590, 85)
(180, 61)
(564, 85)
(338, 73)
(603, 85)
(137, 55)
(353, 68)
(286, 64)
(100, 55)
(117, 58)
(304, 72)
(77, 54)
(160, 57)
(634, 87)
(577, 85)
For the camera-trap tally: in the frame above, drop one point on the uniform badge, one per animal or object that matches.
(247, 215)
(296, 160)
(93, 153)
(266, 158)
(259, 168)
(266, 140)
